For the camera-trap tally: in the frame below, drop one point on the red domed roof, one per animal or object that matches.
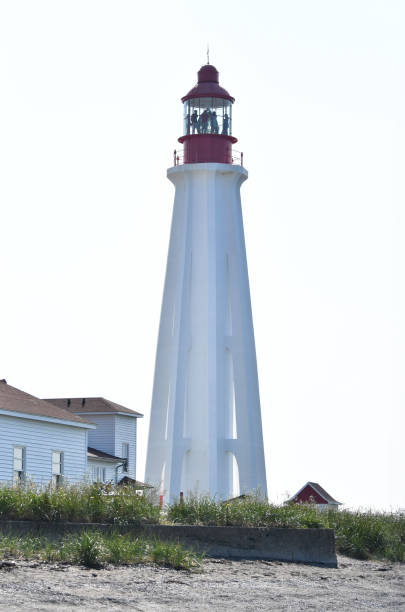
(208, 85)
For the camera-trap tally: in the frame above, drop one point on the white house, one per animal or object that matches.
(86, 439)
(39, 441)
(114, 435)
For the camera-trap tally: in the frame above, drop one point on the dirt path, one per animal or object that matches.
(222, 585)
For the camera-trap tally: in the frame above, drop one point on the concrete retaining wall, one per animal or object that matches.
(315, 546)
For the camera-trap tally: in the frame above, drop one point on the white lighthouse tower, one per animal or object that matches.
(205, 432)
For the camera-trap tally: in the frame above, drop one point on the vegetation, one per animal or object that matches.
(367, 534)
(359, 534)
(78, 503)
(244, 512)
(94, 549)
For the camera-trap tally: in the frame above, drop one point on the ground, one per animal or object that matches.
(222, 585)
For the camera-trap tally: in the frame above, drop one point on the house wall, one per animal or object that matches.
(309, 495)
(125, 431)
(112, 431)
(109, 469)
(40, 438)
(103, 437)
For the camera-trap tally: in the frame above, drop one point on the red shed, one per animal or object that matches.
(313, 493)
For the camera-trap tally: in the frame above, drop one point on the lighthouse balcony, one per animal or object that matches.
(203, 154)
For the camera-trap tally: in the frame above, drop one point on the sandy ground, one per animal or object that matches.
(222, 585)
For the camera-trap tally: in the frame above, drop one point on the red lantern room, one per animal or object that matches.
(207, 121)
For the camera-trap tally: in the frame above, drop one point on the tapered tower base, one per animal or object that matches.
(205, 431)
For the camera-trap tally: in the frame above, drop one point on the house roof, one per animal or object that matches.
(318, 489)
(322, 492)
(93, 453)
(92, 405)
(15, 400)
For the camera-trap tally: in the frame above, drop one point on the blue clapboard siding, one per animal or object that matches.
(103, 437)
(111, 432)
(125, 431)
(40, 438)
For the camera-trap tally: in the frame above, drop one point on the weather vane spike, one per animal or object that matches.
(208, 53)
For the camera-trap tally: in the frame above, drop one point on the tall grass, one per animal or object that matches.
(94, 549)
(367, 534)
(246, 512)
(77, 503)
(359, 534)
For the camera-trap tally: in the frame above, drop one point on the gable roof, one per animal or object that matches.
(16, 401)
(318, 489)
(92, 405)
(322, 493)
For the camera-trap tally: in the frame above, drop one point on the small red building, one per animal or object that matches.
(313, 493)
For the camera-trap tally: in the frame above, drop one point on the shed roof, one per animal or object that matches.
(92, 405)
(15, 400)
(137, 484)
(93, 453)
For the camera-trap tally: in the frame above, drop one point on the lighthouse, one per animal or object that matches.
(205, 435)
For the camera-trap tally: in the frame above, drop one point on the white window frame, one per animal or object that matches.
(57, 473)
(20, 469)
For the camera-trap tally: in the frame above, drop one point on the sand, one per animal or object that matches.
(221, 585)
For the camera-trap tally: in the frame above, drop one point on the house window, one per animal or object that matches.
(57, 468)
(19, 464)
(125, 456)
(99, 474)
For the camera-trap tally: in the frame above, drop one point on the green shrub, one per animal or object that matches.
(87, 549)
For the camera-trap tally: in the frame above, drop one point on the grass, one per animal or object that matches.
(359, 534)
(78, 503)
(94, 549)
(367, 534)
(247, 512)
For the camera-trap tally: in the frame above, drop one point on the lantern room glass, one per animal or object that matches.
(208, 116)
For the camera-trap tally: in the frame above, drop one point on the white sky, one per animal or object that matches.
(89, 116)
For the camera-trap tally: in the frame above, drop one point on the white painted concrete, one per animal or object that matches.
(205, 404)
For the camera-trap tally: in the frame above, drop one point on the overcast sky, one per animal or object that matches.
(89, 116)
